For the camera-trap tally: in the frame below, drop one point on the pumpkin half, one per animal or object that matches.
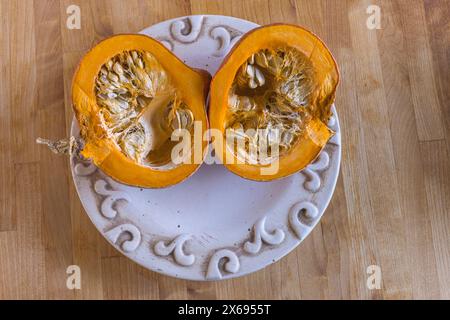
(129, 94)
(271, 100)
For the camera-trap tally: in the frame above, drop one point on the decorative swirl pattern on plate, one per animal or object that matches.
(224, 37)
(112, 196)
(186, 30)
(313, 181)
(232, 264)
(301, 218)
(336, 139)
(84, 168)
(276, 237)
(126, 228)
(176, 248)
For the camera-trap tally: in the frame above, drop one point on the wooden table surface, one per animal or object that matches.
(391, 207)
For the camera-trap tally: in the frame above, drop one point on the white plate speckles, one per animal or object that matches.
(215, 225)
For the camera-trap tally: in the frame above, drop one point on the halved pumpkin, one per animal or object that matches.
(129, 94)
(273, 93)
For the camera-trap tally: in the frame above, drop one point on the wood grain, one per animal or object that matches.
(391, 207)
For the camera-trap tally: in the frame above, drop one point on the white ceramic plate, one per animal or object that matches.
(215, 225)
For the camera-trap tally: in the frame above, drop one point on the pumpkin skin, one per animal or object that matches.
(191, 84)
(315, 133)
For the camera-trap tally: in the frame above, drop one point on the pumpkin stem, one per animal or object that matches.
(71, 146)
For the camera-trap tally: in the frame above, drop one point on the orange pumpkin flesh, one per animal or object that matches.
(260, 60)
(147, 76)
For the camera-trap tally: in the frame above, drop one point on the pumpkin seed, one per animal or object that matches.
(259, 77)
(251, 60)
(182, 119)
(252, 84)
(113, 77)
(250, 71)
